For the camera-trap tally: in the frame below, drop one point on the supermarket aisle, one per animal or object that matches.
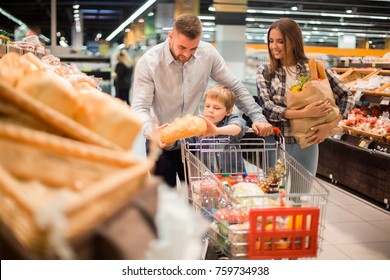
(354, 228)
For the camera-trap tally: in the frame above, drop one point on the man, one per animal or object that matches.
(169, 82)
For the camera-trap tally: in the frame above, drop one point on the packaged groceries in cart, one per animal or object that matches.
(261, 203)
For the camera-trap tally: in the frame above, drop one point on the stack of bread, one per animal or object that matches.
(65, 155)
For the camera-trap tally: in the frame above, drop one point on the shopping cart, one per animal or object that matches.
(244, 224)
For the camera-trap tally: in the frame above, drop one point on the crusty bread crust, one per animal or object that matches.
(184, 127)
(313, 69)
(321, 70)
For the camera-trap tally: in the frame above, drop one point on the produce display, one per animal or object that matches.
(368, 122)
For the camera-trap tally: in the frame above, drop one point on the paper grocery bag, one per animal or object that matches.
(320, 90)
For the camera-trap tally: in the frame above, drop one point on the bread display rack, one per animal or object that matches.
(58, 179)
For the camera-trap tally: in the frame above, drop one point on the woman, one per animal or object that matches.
(122, 77)
(287, 63)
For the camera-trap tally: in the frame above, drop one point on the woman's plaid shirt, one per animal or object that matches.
(272, 96)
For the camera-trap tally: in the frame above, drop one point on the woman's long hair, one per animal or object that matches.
(125, 58)
(290, 31)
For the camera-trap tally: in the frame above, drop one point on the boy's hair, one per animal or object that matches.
(188, 25)
(223, 94)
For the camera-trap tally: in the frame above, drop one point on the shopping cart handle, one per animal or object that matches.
(277, 130)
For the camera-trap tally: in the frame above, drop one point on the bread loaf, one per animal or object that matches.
(313, 69)
(50, 89)
(13, 68)
(184, 127)
(107, 116)
(321, 70)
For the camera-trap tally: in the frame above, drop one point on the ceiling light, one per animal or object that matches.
(349, 11)
(76, 6)
(294, 8)
(136, 14)
(206, 17)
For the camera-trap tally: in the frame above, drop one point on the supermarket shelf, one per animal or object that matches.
(358, 163)
(364, 65)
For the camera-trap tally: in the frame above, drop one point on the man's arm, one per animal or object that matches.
(143, 94)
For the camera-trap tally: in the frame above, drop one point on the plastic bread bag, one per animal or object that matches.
(180, 229)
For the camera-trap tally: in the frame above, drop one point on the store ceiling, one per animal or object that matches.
(104, 16)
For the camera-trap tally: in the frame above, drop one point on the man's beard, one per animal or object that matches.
(180, 58)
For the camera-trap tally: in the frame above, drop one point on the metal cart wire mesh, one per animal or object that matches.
(246, 223)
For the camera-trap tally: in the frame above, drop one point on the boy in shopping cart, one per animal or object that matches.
(224, 129)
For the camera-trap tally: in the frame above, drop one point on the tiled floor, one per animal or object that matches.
(354, 228)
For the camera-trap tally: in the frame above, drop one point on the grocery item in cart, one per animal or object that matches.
(285, 224)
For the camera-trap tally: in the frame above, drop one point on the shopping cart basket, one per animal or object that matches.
(255, 224)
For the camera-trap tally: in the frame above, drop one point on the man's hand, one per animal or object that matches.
(262, 128)
(158, 138)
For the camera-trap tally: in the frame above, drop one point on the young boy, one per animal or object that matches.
(224, 127)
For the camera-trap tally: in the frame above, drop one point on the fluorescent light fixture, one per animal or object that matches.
(136, 14)
(294, 8)
(208, 29)
(11, 17)
(21, 23)
(121, 46)
(206, 17)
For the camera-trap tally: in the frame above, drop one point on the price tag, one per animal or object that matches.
(358, 95)
(346, 63)
(364, 144)
(385, 101)
(337, 136)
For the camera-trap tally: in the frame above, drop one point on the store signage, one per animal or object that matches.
(93, 47)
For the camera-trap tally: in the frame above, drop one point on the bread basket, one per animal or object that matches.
(59, 183)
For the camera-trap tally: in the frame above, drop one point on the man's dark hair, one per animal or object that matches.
(188, 25)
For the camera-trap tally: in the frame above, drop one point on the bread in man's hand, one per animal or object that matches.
(180, 128)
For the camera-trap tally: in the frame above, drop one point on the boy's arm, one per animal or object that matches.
(233, 129)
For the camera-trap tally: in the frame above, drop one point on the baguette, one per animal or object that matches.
(313, 69)
(184, 127)
(321, 70)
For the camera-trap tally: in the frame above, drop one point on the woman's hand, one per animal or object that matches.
(322, 131)
(262, 128)
(317, 109)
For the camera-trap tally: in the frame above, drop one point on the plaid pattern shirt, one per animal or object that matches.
(272, 96)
